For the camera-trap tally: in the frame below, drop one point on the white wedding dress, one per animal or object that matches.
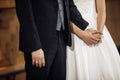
(96, 62)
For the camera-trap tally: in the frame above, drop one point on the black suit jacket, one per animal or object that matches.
(38, 20)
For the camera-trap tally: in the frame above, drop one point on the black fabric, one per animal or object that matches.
(38, 20)
(55, 68)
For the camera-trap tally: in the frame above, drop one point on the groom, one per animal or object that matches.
(44, 33)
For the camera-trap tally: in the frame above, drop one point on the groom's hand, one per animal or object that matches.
(38, 58)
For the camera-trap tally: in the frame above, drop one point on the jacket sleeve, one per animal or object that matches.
(29, 38)
(76, 17)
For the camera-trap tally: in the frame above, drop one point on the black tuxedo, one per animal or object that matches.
(38, 20)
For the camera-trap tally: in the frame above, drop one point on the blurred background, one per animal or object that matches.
(11, 59)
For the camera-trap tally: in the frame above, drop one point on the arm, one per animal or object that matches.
(101, 17)
(85, 35)
(76, 17)
(29, 39)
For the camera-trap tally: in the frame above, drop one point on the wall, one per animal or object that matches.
(113, 19)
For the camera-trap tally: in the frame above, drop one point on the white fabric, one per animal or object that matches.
(96, 62)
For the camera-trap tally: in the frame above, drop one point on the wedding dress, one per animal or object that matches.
(95, 62)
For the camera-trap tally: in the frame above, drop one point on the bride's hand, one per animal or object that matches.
(91, 37)
(87, 35)
(98, 35)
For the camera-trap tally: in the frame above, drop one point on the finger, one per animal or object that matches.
(94, 32)
(95, 38)
(89, 42)
(33, 61)
(43, 61)
(40, 63)
(93, 42)
(37, 63)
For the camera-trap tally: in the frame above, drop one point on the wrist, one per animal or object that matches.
(82, 35)
(99, 32)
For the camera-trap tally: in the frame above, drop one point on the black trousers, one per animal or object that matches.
(55, 68)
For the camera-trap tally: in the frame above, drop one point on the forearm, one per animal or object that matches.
(101, 21)
(76, 30)
(85, 35)
(101, 17)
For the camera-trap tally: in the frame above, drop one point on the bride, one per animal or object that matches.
(93, 62)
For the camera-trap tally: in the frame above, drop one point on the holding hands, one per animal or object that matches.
(92, 36)
(89, 36)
